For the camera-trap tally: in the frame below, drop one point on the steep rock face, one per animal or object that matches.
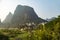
(8, 18)
(25, 14)
(0, 20)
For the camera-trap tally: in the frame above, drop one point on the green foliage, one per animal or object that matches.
(48, 31)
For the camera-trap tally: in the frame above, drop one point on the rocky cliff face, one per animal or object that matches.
(25, 14)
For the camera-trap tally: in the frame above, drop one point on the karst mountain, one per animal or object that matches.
(22, 15)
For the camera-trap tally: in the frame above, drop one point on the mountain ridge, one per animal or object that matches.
(25, 14)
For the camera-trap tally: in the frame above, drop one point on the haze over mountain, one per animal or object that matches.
(50, 19)
(24, 14)
(8, 18)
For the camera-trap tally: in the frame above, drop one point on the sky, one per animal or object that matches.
(43, 8)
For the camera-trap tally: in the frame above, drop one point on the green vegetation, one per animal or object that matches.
(48, 31)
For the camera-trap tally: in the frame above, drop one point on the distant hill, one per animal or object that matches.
(50, 19)
(8, 18)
